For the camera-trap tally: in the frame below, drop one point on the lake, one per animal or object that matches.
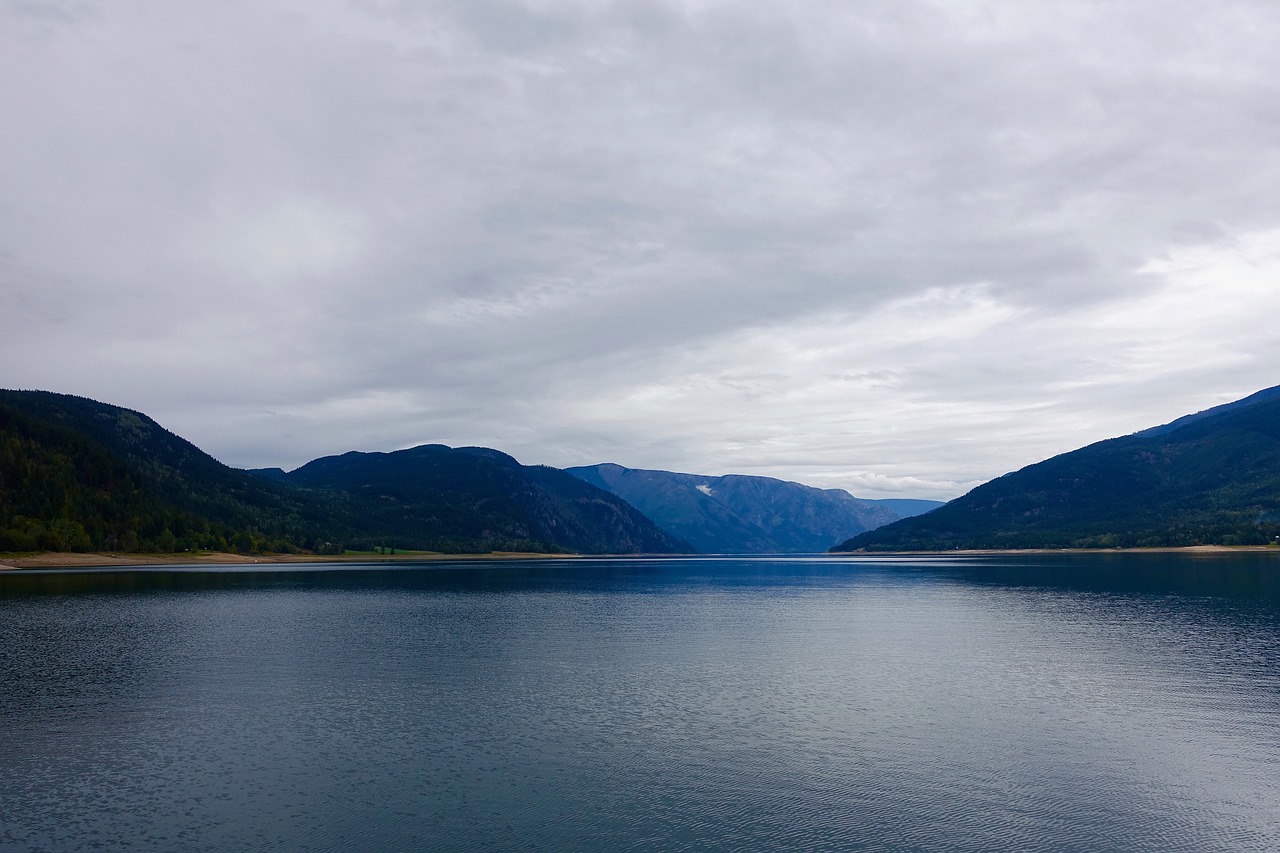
(1126, 702)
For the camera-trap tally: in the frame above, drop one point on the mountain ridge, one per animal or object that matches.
(79, 475)
(486, 496)
(1186, 420)
(1212, 478)
(740, 513)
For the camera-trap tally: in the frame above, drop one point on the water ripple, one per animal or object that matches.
(698, 706)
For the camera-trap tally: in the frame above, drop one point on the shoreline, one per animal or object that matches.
(971, 552)
(69, 560)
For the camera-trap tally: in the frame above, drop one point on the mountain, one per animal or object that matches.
(1208, 478)
(76, 474)
(905, 507)
(80, 475)
(1262, 396)
(444, 498)
(737, 514)
(275, 474)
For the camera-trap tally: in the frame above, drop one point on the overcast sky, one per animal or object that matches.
(894, 246)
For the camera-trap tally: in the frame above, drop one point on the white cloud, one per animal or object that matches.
(899, 246)
(276, 244)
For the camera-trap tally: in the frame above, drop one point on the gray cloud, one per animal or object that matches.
(881, 245)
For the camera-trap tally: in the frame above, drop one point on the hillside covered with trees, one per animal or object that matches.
(1212, 478)
(79, 475)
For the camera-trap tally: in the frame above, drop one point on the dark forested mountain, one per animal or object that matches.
(80, 475)
(1208, 478)
(738, 514)
(1265, 395)
(440, 497)
(276, 474)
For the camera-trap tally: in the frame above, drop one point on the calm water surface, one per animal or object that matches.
(1087, 703)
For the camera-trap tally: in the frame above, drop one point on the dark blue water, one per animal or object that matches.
(1089, 703)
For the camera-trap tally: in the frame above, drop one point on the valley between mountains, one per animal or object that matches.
(80, 476)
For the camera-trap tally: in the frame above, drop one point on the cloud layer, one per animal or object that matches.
(899, 247)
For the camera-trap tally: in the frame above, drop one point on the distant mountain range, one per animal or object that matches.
(1212, 477)
(80, 475)
(475, 498)
(737, 514)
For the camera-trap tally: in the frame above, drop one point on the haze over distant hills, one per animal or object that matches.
(738, 514)
(1208, 478)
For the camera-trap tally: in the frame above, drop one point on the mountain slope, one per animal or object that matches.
(1262, 396)
(478, 499)
(737, 514)
(905, 507)
(76, 474)
(1209, 478)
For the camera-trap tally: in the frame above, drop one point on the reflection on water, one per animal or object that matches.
(1248, 575)
(1097, 702)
